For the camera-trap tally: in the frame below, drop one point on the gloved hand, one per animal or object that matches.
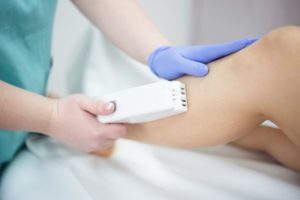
(173, 62)
(73, 122)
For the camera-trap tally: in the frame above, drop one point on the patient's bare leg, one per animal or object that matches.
(260, 82)
(272, 141)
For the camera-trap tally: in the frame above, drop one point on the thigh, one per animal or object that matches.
(242, 90)
(222, 107)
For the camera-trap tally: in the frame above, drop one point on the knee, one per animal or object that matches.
(284, 40)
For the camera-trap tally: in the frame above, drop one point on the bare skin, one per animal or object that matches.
(274, 142)
(125, 24)
(242, 90)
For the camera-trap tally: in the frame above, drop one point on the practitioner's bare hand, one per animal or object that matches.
(73, 121)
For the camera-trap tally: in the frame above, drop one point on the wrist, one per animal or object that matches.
(150, 48)
(48, 113)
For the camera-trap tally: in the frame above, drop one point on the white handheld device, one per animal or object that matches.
(147, 103)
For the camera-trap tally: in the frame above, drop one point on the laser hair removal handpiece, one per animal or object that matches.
(147, 103)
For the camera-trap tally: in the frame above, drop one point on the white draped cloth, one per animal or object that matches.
(50, 170)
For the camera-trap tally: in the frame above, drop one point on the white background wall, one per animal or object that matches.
(182, 21)
(70, 27)
(220, 20)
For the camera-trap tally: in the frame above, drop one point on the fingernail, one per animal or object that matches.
(110, 106)
(203, 70)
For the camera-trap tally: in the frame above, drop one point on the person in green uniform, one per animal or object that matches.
(25, 62)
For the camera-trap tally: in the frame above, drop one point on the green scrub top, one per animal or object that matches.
(25, 61)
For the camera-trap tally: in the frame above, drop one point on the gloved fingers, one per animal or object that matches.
(192, 68)
(94, 106)
(208, 53)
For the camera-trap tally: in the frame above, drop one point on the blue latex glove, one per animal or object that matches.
(173, 62)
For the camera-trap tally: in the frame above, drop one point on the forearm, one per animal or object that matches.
(125, 23)
(23, 110)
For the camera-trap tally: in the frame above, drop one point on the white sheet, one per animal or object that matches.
(48, 170)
